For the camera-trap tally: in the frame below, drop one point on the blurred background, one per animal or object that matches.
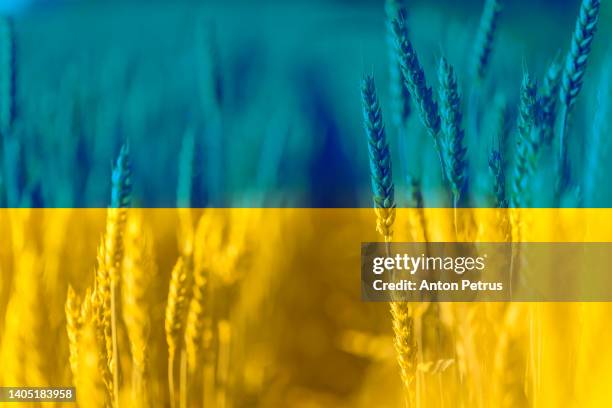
(268, 91)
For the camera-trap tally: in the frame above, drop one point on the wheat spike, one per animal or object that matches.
(94, 382)
(194, 328)
(139, 274)
(400, 97)
(380, 160)
(102, 293)
(178, 300)
(73, 325)
(117, 213)
(483, 45)
(405, 347)
(527, 147)
(451, 117)
(573, 73)
(580, 48)
(95, 313)
(417, 86)
(497, 160)
(548, 103)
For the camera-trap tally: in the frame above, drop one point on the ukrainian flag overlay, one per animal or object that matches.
(199, 202)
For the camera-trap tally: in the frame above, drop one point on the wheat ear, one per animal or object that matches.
(139, 274)
(102, 294)
(497, 156)
(498, 172)
(73, 325)
(194, 327)
(575, 66)
(405, 347)
(451, 117)
(95, 312)
(175, 316)
(380, 160)
(547, 115)
(400, 97)
(526, 148)
(414, 77)
(483, 45)
(94, 382)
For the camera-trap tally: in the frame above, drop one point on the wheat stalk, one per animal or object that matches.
(418, 229)
(509, 365)
(384, 206)
(184, 191)
(114, 247)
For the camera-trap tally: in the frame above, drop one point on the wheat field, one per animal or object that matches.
(216, 263)
(264, 323)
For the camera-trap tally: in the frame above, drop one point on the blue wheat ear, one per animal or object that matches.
(455, 150)
(483, 44)
(380, 159)
(121, 193)
(497, 156)
(414, 77)
(496, 166)
(576, 63)
(526, 148)
(400, 97)
(547, 105)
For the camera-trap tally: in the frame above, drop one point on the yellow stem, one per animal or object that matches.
(115, 357)
(171, 379)
(183, 380)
